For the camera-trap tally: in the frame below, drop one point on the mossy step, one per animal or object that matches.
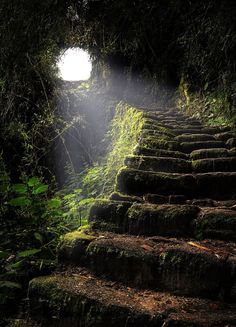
(216, 164)
(185, 267)
(139, 150)
(188, 147)
(116, 196)
(160, 164)
(216, 185)
(157, 132)
(76, 299)
(173, 220)
(217, 223)
(194, 137)
(209, 153)
(231, 143)
(203, 130)
(156, 143)
(144, 219)
(224, 136)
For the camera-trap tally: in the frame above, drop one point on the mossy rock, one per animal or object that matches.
(159, 263)
(158, 164)
(213, 165)
(78, 300)
(159, 143)
(136, 182)
(194, 137)
(223, 136)
(188, 147)
(231, 143)
(209, 153)
(165, 220)
(116, 196)
(109, 215)
(159, 153)
(72, 248)
(217, 223)
(218, 185)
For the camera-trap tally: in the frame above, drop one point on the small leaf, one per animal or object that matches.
(69, 196)
(38, 237)
(33, 182)
(9, 284)
(78, 190)
(19, 188)
(20, 201)
(16, 265)
(54, 203)
(28, 253)
(40, 189)
(86, 201)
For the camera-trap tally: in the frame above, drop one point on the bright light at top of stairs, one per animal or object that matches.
(74, 65)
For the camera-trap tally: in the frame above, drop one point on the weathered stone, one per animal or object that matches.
(217, 223)
(169, 220)
(83, 300)
(132, 181)
(116, 196)
(194, 138)
(72, 248)
(158, 164)
(231, 143)
(208, 153)
(188, 147)
(155, 198)
(159, 153)
(216, 164)
(159, 143)
(109, 215)
(223, 136)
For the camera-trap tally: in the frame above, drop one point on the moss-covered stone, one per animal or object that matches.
(159, 263)
(224, 136)
(116, 196)
(219, 185)
(83, 300)
(155, 198)
(62, 301)
(109, 215)
(165, 220)
(216, 164)
(194, 137)
(209, 153)
(217, 223)
(132, 181)
(158, 164)
(159, 153)
(188, 147)
(72, 248)
(231, 143)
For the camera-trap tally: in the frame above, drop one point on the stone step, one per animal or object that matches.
(194, 138)
(216, 185)
(157, 132)
(185, 267)
(159, 153)
(209, 153)
(203, 130)
(188, 147)
(231, 143)
(216, 164)
(81, 299)
(173, 220)
(171, 165)
(223, 136)
(164, 143)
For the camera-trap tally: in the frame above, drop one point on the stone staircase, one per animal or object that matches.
(160, 251)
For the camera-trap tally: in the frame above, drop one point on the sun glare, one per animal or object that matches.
(75, 65)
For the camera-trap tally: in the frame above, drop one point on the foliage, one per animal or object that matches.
(122, 137)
